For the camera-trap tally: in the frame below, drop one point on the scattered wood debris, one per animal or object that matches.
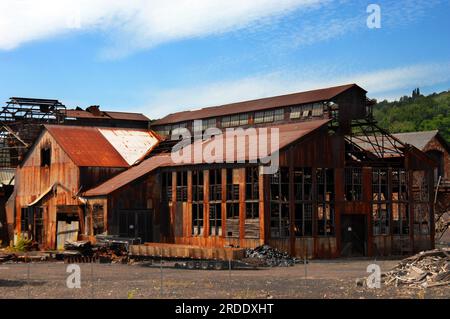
(426, 269)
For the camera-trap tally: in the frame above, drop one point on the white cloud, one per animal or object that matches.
(134, 24)
(379, 83)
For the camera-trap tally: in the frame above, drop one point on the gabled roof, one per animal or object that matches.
(259, 104)
(288, 134)
(417, 139)
(102, 147)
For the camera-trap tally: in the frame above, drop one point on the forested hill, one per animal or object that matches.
(416, 113)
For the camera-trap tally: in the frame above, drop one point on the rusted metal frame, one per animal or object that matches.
(409, 173)
(291, 201)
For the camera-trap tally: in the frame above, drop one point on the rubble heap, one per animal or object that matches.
(426, 269)
(268, 256)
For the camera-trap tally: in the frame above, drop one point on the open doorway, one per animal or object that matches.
(353, 235)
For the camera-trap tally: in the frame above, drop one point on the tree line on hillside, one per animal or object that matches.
(416, 113)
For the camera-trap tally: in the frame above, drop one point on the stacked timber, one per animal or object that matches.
(186, 251)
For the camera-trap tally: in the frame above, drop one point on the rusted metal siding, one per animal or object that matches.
(32, 180)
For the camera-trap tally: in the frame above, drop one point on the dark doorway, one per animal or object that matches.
(135, 224)
(353, 235)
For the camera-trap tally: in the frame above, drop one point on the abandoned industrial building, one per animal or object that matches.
(344, 187)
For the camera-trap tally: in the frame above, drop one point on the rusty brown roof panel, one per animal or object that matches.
(255, 105)
(86, 146)
(288, 133)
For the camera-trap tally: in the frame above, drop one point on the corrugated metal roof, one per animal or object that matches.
(102, 147)
(255, 105)
(288, 133)
(86, 146)
(131, 144)
(417, 139)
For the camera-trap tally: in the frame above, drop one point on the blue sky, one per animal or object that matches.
(158, 57)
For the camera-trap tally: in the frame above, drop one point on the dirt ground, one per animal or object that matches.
(320, 279)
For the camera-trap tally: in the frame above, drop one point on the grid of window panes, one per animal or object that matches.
(215, 202)
(381, 207)
(235, 120)
(303, 194)
(209, 123)
(400, 207)
(279, 204)
(325, 201)
(252, 192)
(197, 203)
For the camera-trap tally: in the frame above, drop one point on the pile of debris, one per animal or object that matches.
(7, 257)
(103, 252)
(426, 269)
(268, 256)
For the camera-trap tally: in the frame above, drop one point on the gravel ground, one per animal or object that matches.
(324, 279)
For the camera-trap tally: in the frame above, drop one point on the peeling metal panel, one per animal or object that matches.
(131, 144)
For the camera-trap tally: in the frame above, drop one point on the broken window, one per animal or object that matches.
(252, 192)
(167, 186)
(215, 202)
(197, 202)
(209, 123)
(306, 110)
(279, 203)
(317, 109)
(197, 218)
(235, 120)
(98, 219)
(303, 219)
(182, 186)
(232, 183)
(215, 219)
(400, 218)
(296, 112)
(232, 202)
(325, 201)
(45, 156)
(176, 127)
(353, 184)
(279, 115)
(265, 116)
(303, 202)
(380, 216)
(381, 207)
(421, 205)
(215, 185)
(400, 208)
